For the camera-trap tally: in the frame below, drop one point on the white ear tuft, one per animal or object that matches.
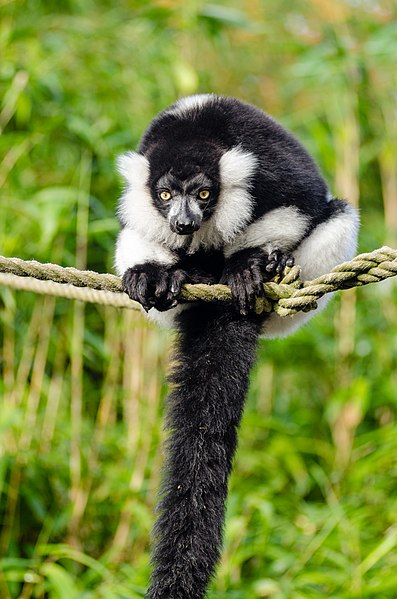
(132, 166)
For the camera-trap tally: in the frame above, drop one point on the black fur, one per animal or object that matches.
(154, 285)
(247, 270)
(215, 353)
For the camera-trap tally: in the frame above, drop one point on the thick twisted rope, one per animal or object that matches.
(286, 295)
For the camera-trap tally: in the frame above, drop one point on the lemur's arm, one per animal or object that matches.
(261, 251)
(133, 248)
(150, 274)
(279, 238)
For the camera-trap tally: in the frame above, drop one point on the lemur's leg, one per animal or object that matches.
(330, 243)
(273, 241)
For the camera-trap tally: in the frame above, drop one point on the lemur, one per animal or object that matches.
(217, 191)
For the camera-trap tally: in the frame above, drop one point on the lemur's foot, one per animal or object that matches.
(243, 274)
(276, 261)
(154, 285)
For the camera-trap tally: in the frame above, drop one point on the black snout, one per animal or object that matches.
(185, 227)
(185, 217)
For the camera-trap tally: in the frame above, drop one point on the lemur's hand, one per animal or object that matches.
(275, 262)
(247, 270)
(243, 274)
(154, 285)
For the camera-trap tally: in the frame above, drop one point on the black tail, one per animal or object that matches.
(213, 362)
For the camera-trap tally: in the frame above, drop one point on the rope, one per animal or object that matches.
(285, 295)
(86, 294)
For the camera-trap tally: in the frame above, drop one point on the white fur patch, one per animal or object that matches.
(166, 319)
(235, 203)
(136, 205)
(133, 249)
(280, 228)
(283, 326)
(331, 243)
(190, 103)
(133, 167)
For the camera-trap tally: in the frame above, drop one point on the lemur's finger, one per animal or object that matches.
(273, 261)
(250, 289)
(290, 260)
(176, 281)
(284, 260)
(143, 292)
(239, 294)
(162, 284)
(257, 278)
(141, 285)
(168, 287)
(128, 283)
(134, 291)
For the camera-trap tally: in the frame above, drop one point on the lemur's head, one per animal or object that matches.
(184, 183)
(188, 171)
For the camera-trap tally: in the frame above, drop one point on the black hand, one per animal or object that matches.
(154, 285)
(243, 274)
(247, 270)
(276, 261)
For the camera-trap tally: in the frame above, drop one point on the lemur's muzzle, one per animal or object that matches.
(185, 216)
(185, 228)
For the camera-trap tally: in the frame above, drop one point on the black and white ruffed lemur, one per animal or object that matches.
(217, 192)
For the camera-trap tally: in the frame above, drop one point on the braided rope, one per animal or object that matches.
(86, 294)
(286, 295)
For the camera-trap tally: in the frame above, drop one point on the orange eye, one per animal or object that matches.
(204, 194)
(165, 195)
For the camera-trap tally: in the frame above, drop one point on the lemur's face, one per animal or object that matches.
(184, 181)
(186, 199)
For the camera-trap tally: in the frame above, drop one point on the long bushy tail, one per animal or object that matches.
(213, 361)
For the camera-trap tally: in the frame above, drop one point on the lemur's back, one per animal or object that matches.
(208, 125)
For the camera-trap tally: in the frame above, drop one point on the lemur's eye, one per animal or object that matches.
(204, 194)
(165, 195)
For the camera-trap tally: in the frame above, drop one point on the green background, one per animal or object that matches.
(313, 503)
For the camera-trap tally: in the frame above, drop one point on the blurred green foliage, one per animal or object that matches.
(312, 509)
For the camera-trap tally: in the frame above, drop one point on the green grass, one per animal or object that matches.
(312, 509)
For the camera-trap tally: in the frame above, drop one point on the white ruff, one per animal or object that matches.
(136, 205)
(231, 215)
(235, 203)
